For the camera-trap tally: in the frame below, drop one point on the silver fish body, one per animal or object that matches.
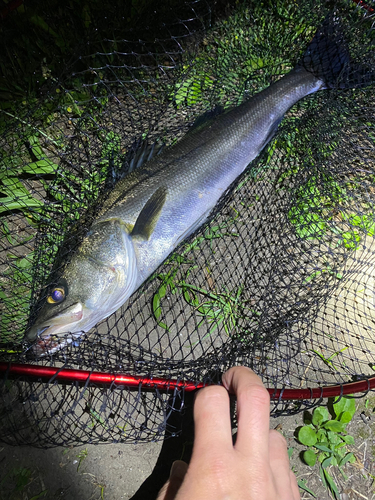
(196, 172)
(157, 206)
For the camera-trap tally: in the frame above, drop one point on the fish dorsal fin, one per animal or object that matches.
(149, 215)
(143, 152)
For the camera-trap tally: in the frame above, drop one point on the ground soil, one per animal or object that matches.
(137, 471)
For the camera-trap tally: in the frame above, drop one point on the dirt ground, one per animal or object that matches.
(137, 471)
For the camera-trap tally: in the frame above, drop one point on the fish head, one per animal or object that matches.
(97, 281)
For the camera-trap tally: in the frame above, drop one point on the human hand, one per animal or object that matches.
(255, 468)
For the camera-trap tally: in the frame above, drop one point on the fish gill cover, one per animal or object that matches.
(281, 276)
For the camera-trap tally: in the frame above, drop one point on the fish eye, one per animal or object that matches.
(57, 295)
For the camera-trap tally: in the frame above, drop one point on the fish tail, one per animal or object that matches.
(328, 58)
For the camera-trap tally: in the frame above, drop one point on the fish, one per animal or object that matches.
(159, 204)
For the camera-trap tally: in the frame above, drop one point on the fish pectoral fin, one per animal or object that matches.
(149, 215)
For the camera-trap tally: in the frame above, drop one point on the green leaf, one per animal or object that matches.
(323, 477)
(350, 239)
(35, 147)
(44, 166)
(343, 474)
(322, 447)
(339, 446)
(156, 305)
(345, 404)
(345, 417)
(307, 436)
(302, 484)
(40, 495)
(335, 426)
(327, 461)
(331, 484)
(348, 439)
(320, 415)
(190, 297)
(10, 205)
(309, 457)
(322, 435)
(332, 436)
(40, 23)
(347, 458)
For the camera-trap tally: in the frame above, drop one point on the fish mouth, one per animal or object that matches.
(56, 333)
(50, 340)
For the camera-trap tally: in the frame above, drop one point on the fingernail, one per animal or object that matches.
(178, 469)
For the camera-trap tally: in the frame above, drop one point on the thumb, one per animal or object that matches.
(171, 487)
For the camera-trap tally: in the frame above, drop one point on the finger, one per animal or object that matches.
(213, 434)
(253, 407)
(171, 487)
(294, 485)
(279, 463)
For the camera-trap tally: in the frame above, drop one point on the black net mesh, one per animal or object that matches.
(280, 279)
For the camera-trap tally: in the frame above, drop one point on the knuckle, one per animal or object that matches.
(221, 475)
(258, 394)
(212, 393)
(278, 438)
(217, 466)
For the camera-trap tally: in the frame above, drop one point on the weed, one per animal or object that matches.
(95, 418)
(220, 308)
(17, 483)
(217, 308)
(326, 438)
(42, 494)
(328, 361)
(82, 455)
(303, 485)
(15, 196)
(235, 54)
(328, 269)
(22, 477)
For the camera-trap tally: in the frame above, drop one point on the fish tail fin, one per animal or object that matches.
(328, 58)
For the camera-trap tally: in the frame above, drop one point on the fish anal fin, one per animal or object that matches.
(206, 119)
(149, 215)
(272, 131)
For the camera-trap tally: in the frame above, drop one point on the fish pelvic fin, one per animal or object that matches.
(328, 58)
(149, 215)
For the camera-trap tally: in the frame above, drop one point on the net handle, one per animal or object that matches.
(52, 373)
(364, 5)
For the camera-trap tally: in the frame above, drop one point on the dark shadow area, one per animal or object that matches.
(179, 448)
(28, 472)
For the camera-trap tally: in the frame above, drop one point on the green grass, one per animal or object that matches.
(215, 308)
(322, 207)
(241, 53)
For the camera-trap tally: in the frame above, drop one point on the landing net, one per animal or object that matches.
(281, 278)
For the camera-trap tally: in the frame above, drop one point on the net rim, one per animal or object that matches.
(55, 374)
